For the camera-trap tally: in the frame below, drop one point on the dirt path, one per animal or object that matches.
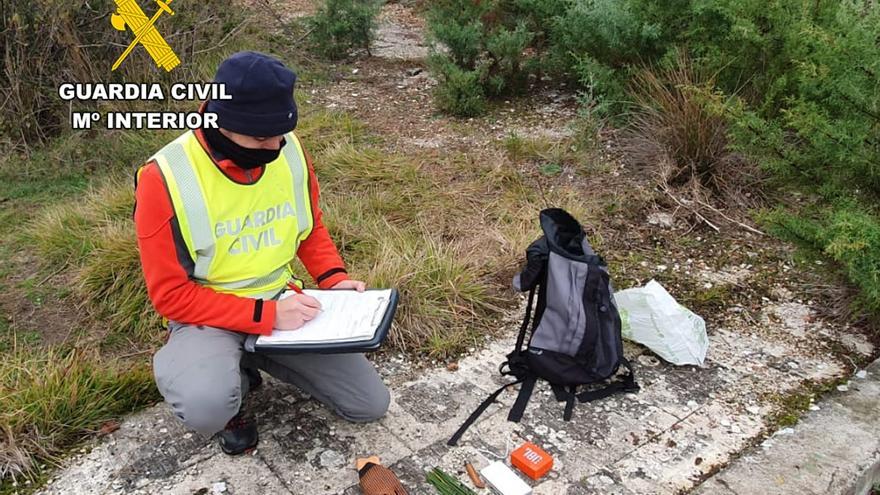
(391, 91)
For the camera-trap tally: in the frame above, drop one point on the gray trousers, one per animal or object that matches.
(198, 372)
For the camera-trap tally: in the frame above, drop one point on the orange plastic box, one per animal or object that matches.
(531, 460)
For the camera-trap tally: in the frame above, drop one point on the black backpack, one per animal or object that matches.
(575, 333)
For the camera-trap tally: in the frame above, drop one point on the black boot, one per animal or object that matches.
(239, 435)
(254, 378)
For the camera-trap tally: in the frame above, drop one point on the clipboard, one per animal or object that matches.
(349, 346)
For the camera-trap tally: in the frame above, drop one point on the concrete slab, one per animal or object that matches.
(432, 408)
(151, 445)
(313, 451)
(674, 460)
(826, 452)
(220, 474)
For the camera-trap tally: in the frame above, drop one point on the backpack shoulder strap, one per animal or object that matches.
(566, 395)
(520, 339)
(477, 413)
(626, 384)
(522, 399)
(517, 368)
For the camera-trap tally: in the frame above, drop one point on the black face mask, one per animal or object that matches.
(246, 158)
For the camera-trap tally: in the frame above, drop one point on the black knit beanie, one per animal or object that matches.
(261, 88)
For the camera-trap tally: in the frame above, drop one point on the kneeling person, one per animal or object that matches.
(220, 213)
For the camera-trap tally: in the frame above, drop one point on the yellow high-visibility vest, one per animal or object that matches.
(241, 237)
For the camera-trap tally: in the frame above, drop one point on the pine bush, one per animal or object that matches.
(340, 26)
(479, 50)
(459, 91)
(505, 49)
(606, 30)
(458, 26)
(815, 123)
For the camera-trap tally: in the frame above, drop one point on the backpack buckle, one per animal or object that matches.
(516, 365)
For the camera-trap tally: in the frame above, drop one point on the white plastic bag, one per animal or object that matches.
(653, 318)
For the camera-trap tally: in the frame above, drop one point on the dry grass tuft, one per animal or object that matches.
(345, 166)
(319, 128)
(677, 134)
(94, 238)
(388, 216)
(673, 130)
(49, 398)
(443, 289)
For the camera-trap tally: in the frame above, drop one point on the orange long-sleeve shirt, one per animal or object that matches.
(167, 265)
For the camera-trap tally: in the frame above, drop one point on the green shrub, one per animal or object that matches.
(458, 25)
(845, 233)
(609, 31)
(812, 118)
(505, 48)
(797, 85)
(539, 16)
(478, 50)
(825, 131)
(342, 25)
(603, 92)
(803, 75)
(459, 91)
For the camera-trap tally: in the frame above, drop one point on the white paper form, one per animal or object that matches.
(346, 316)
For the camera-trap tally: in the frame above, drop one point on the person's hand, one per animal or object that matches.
(350, 284)
(294, 311)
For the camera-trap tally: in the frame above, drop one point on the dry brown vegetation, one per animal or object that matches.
(673, 129)
(677, 134)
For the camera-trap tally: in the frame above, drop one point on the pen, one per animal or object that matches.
(296, 289)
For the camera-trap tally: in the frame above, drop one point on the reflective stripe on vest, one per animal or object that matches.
(256, 235)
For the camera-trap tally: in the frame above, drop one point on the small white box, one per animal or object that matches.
(503, 480)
